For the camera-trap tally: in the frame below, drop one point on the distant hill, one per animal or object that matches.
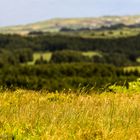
(55, 25)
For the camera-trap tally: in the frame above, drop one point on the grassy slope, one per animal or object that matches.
(67, 116)
(56, 24)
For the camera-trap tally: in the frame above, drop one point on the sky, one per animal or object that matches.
(15, 12)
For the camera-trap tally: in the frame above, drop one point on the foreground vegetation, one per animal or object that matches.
(69, 116)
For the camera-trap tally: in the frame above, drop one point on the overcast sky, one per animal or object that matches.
(13, 12)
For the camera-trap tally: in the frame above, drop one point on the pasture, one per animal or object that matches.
(47, 55)
(138, 60)
(91, 53)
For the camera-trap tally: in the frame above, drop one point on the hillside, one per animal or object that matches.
(55, 25)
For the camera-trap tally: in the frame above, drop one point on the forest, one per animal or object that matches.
(68, 68)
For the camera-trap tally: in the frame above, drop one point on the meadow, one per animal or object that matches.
(37, 55)
(42, 115)
(132, 68)
(47, 56)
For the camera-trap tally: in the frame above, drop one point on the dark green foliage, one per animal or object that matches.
(122, 48)
(24, 55)
(69, 57)
(117, 59)
(127, 49)
(15, 50)
(63, 76)
(7, 58)
(98, 59)
(14, 57)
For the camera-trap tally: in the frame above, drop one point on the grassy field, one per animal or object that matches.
(47, 55)
(138, 60)
(125, 32)
(69, 116)
(132, 68)
(91, 53)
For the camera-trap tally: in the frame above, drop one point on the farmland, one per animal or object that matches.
(56, 25)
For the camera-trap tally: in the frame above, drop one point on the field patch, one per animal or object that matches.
(132, 68)
(45, 55)
(91, 54)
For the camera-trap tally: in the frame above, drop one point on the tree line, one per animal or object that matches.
(68, 68)
(67, 76)
(116, 51)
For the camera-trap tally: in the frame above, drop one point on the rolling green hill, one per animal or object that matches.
(55, 25)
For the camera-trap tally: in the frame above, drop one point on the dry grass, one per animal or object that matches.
(48, 116)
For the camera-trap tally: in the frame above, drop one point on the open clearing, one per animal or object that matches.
(47, 55)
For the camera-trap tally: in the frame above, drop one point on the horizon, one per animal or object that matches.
(28, 23)
(21, 12)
